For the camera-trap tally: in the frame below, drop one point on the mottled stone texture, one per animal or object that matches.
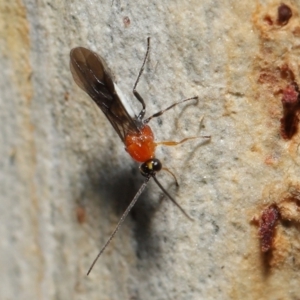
(65, 178)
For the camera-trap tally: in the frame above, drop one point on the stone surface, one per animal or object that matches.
(65, 178)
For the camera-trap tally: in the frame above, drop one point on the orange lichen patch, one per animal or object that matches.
(271, 160)
(267, 224)
(277, 25)
(281, 250)
(276, 77)
(274, 16)
(141, 146)
(287, 73)
(15, 36)
(296, 31)
(290, 209)
(268, 76)
(268, 20)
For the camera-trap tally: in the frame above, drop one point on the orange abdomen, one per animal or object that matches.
(141, 146)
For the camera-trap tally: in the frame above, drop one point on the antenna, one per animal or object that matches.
(126, 212)
(171, 198)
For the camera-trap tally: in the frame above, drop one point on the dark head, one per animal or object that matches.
(150, 167)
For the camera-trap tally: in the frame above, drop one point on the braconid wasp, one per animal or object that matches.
(92, 75)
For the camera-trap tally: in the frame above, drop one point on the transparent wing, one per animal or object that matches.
(91, 74)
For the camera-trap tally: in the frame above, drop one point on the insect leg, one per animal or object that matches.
(135, 92)
(166, 109)
(173, 143)
(173, 175)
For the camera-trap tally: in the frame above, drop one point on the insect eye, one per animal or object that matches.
(150, 167)
(156, 165)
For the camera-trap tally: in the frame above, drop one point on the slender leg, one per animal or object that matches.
(172, 143)
(135, 92)
(166, 109)
(172, 174)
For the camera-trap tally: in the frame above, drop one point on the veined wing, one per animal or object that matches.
(91, 74)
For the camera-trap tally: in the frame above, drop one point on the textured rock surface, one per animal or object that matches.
(65, 178)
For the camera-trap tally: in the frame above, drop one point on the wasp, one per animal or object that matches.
(92, 75)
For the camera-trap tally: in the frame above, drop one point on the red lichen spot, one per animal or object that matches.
(296, 31)
(291, 105)
(290, 94)
(81, 214)
(141, 146)
(126, 21)
(66, 96)
(270, 160)
(267, 77)
(284, 14)
(267, 225)
(268, 20)
(287, 74)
